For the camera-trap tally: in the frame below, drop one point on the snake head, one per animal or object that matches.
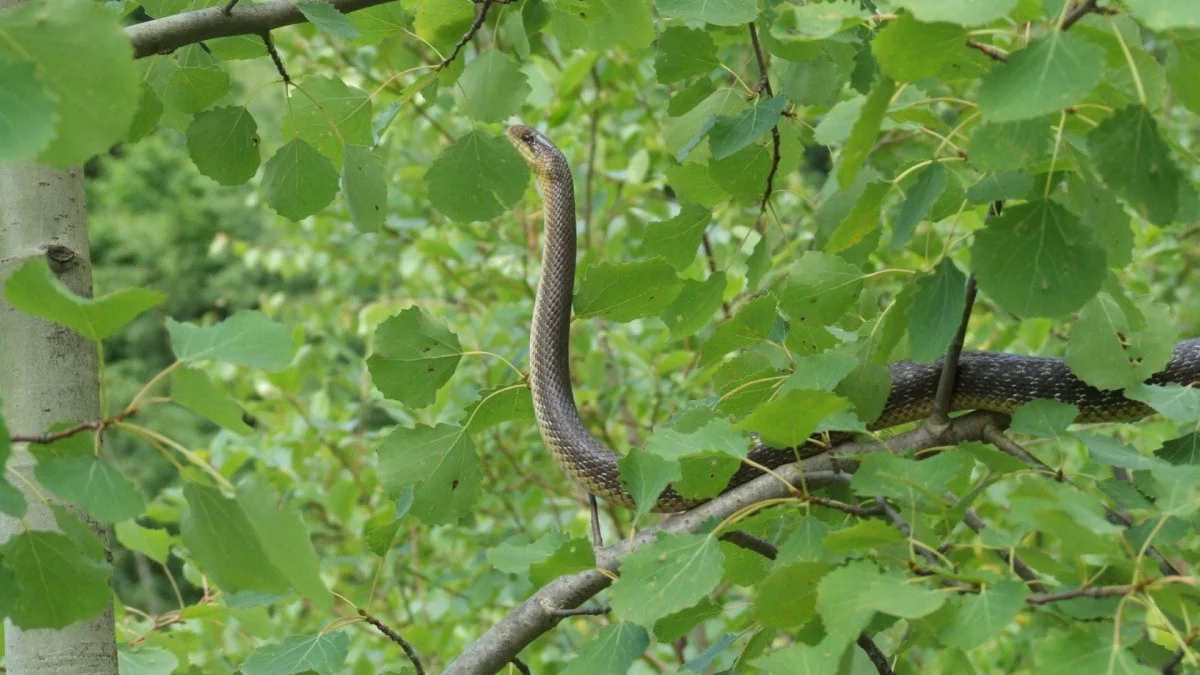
(538, 152)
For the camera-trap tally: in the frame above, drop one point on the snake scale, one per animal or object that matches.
(986, 380)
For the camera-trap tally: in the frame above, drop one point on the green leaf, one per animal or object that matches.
(145, 661)
(804, 659)
(966, 12)
(862, 536)
(999, 186)
(329, 116)
(193, 390)
(1044, 417)
(247, 338)
(930, 183)
(224, 543)
(713, 435)
(40, 562)
(895, 595)
(1009, 146)
(327, 18)
(1183, 67)
(886, 475)
(840, 598)
(936, 311)
(645, 475)
(820, 289)
(476, 178)
(627, 291)
(744, 173)
(364, 189)
(788, 596)
(1051, 73)
(1162, 15)
(789, 419)
(668, 574)
(1111, 452)
(1037, 259)
(571, 556)
(1096, 207)
(695, 305)
(145, 120)
(1184, 450)
(751, 325)
(223, 143)
(1085, 648)
(729, 134)
(153, 543)
(862, 221)
(611, 652)
(597, 25)
(323, 652)
(816, 21)
(813, 82)
(82, 55)
(493, 87)
(981, 616)
(1135, 162)
(285, 539)
(684, 53)
(716, 12)
(28, 112)
(102, 491)
(1176, 403)
(908, 50)
(188, 80)
(298, 181)
(443, 22)
(413, 355)
(35, 290)
(511, 403)
(677, 239)
(515, 558)
(866, 128)
(1107, 352)
(674, 626)
(440, 462)
(705, 475)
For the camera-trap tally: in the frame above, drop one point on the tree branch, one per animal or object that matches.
(395, 637)
(165, 35)
(988, 50)
(1081, 10)
(945, 389)
(537, 614)
(764, 86)
(1095, 592)
(878, 658)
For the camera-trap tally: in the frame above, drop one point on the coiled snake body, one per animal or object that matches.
(986, 380)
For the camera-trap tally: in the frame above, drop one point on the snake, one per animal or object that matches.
(993, 381)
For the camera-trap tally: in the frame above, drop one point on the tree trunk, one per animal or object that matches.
(47, 374)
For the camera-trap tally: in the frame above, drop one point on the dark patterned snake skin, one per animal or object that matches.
(986, 380)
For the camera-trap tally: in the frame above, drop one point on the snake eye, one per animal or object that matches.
(527, 136)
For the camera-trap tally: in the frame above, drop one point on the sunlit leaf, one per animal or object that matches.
(439, 462)
(35, 290)
(413, 356)
(247, 338)
(669, 574)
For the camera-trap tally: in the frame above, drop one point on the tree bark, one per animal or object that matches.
(48, 374)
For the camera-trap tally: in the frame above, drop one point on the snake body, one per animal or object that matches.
(985, 381)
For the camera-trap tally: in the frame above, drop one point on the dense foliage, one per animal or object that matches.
(314, 280)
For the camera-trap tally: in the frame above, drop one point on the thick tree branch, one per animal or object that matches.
(165, 35)
(538, 614)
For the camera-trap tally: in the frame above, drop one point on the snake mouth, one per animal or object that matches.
(534, 148)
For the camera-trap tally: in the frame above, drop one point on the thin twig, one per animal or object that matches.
(480, 17)
(590, 171)
(228, 9)
(395, 637)
(597, 539)
(991, 52)
(712, 266)
(860, 511)
(993, 435)
(521, 667)
(1094, 592)
(1019, 566)
(764, 86)
(1081, 10)
(266, 38)
(751, 543)
(874, 653)
(945, 389)
(94, 425)
(581, 611)
(906, 530)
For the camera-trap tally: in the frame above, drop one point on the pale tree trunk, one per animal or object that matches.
(47, 374)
